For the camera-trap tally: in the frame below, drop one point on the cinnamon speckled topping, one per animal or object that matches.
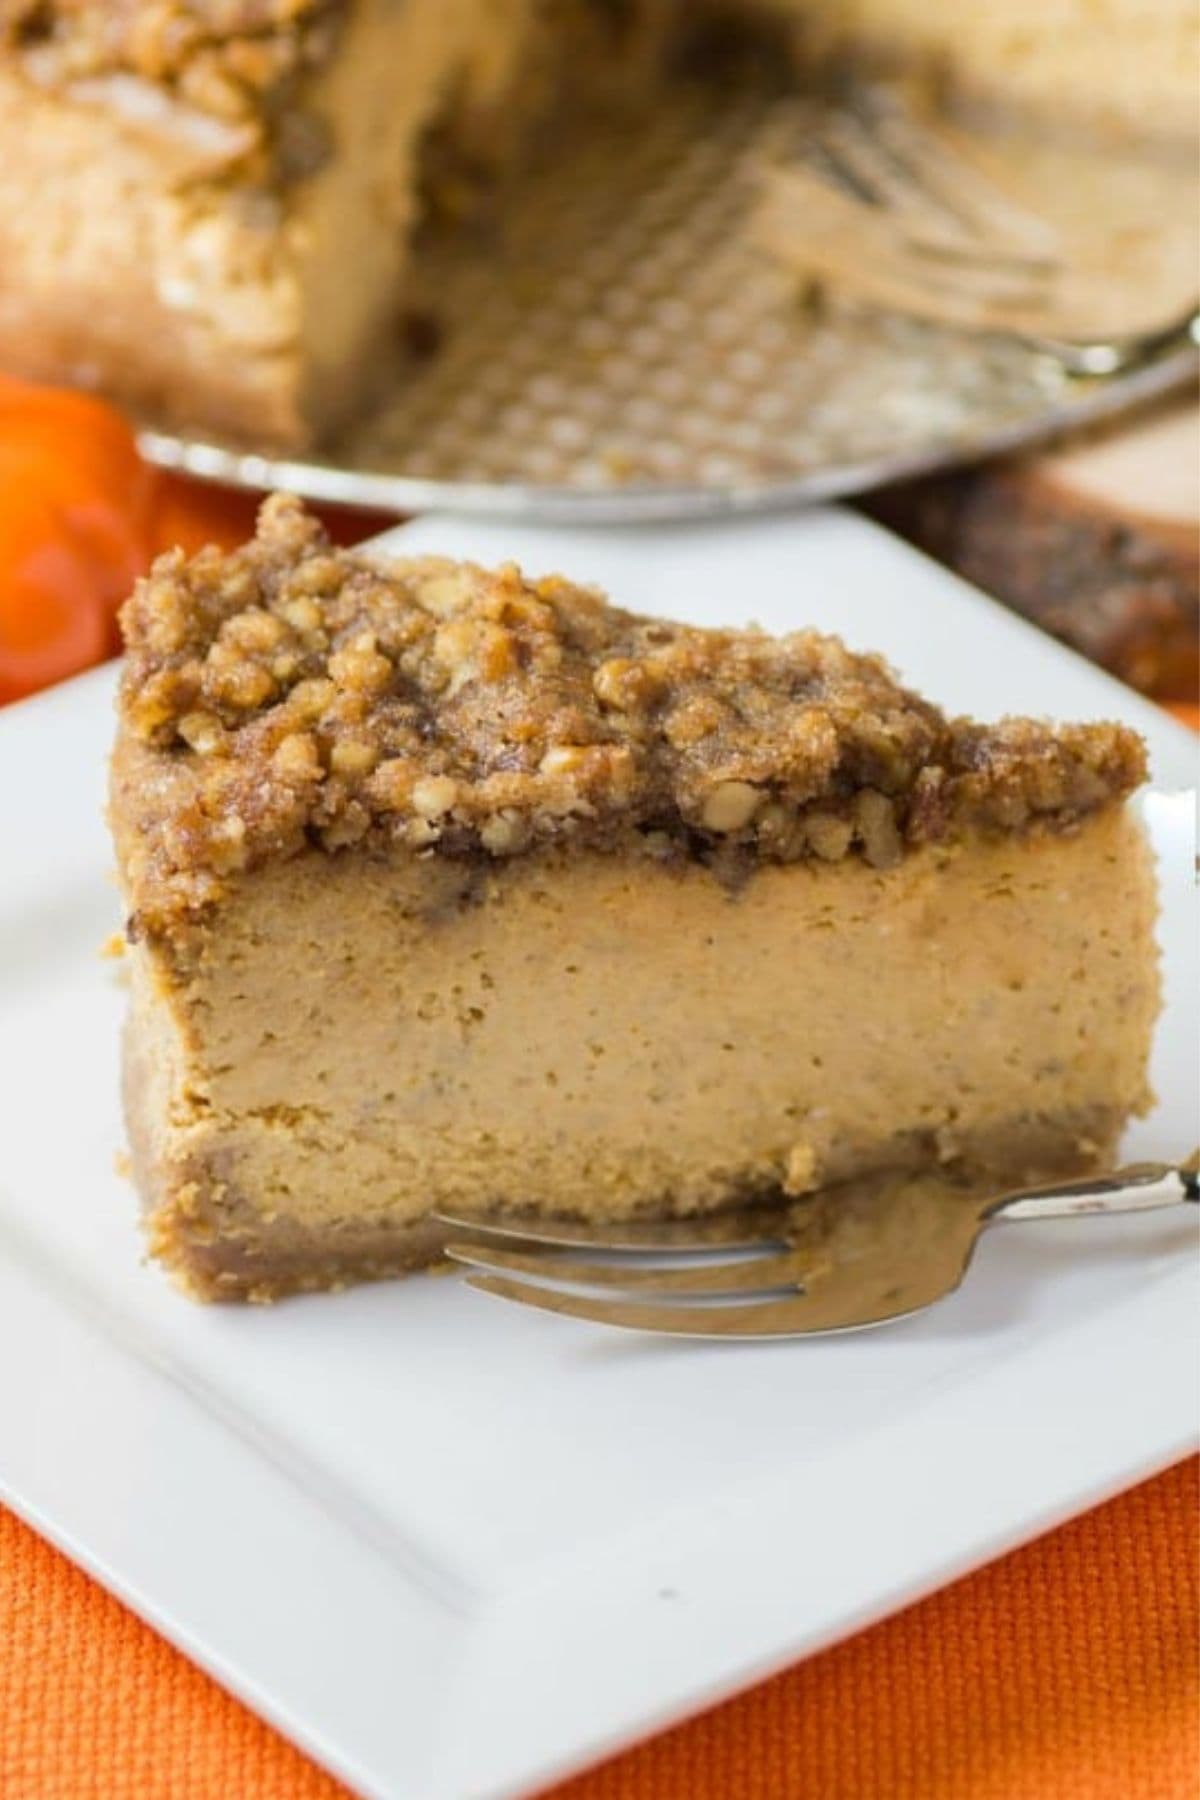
(291, 694)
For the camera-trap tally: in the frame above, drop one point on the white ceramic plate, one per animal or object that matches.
(455, 1548)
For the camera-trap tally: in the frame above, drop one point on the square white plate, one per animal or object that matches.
(455, 1548)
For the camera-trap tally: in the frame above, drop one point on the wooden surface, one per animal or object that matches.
(1098, 542)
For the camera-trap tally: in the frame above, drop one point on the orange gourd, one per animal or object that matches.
(81, 517)
(75, 511)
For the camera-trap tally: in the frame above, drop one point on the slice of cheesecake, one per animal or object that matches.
(207, 207)
(451, 888)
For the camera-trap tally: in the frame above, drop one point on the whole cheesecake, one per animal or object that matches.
(207, 207)
(449, 888)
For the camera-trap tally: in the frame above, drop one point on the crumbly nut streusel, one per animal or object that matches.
(291, 695)
(235, 60)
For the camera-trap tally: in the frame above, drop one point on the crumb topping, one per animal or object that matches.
(231, 59)
(292, 694)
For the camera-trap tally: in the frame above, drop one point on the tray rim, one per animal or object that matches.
(1098, 399)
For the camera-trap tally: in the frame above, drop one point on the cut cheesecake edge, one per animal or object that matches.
(221, 246)
(645, 996)
(212, 220)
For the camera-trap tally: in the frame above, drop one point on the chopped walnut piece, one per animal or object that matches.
(351, 757)
(290, 695)
(434, 797)
(393, 785)
(297, 757)
(828, 835)
(360, 668)
(504, 834)
(202, 732)
(730, 806)
(877, 828)
(308, 699)
(563, 759)
(627, 686)
(302, 614)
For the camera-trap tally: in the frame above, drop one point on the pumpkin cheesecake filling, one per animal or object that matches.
(448, 888)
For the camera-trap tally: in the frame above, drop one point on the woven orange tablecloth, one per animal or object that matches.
(1067, 1671)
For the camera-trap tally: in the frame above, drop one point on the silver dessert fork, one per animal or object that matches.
(843, 1259)
(916, 216)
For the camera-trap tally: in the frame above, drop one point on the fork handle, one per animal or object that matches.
(1112, 356)
(1139, 1187)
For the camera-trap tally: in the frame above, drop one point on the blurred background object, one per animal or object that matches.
(1097, 541)
(502, 256)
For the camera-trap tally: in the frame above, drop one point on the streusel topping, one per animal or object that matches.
(231, 59)
(291, 694)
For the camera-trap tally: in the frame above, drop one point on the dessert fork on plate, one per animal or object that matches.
(917, 216)
(840, 1260)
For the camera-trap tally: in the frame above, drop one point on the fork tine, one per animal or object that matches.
(788, 1316)
(802, 224)
(747, 1228)
(925, 178)
(949, 171)
(830, 228)
(753, 1275)
(794, 1316)
(854, 151)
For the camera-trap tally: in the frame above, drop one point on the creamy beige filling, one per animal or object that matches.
(363, 1040)
(1128, 64)
(400, 67)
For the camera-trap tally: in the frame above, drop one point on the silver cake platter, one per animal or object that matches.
(623, 351)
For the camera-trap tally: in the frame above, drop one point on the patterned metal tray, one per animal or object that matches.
(622, 351)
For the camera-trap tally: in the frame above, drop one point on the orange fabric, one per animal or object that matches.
(1067, 1671)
